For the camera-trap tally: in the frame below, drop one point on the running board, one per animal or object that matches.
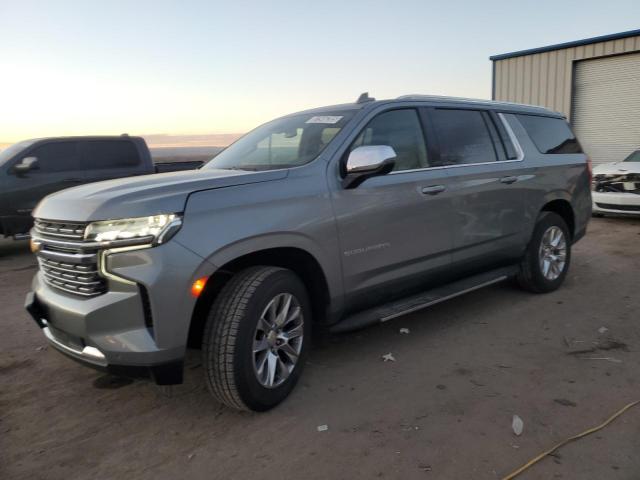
(389, 311)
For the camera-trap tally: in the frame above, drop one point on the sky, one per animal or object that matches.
(201, 66)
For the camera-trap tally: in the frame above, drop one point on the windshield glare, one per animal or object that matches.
(283, 143)
(10, 151)
(634, 157)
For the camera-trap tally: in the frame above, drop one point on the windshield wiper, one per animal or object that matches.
(248, 169)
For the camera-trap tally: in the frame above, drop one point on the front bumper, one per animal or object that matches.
(83, 353)
(619, 203)
(112, 331)
(164, 373)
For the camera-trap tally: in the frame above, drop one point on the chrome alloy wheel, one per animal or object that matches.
(552, 254)
(277, 342)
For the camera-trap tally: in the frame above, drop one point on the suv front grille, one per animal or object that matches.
(81, 279)
(65, 263)
(617, 183)
(60, 230)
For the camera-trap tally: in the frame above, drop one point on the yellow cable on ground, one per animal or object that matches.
(535, 460)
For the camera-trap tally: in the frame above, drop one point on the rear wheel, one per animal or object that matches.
(256, 336)
(546, 261)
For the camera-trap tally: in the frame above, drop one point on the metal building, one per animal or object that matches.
(594, 82)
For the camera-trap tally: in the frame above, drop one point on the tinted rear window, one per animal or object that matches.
(463, 137)
(550, 135)
(111, 154)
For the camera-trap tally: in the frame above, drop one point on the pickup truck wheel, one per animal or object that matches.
(255, 340)
(546, 261)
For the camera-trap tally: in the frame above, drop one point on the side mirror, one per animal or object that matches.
(367, 162)
(26, 164)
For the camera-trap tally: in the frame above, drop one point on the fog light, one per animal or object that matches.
(35, 246)
(92, 352)
(198, 286)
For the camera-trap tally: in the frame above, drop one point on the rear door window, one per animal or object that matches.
(550, 135)
(56, 157)
(103, 154)
(463, 136)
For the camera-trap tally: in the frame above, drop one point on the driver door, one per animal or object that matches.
(394, 229)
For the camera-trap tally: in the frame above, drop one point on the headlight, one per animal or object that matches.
(153, 230)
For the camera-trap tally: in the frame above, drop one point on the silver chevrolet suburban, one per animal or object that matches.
(338, 217)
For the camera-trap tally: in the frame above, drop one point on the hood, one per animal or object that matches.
(143, 195)
(617, 168)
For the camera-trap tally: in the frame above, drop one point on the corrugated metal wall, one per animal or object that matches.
(546, 78)
(606, 106)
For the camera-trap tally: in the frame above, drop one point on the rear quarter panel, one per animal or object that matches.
(554, 177)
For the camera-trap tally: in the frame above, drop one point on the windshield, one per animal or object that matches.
(283, 143)
(10, 151)
(634, 157)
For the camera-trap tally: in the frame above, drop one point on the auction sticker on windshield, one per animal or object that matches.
(330, 119)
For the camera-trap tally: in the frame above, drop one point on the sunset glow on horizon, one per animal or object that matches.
(204, 68)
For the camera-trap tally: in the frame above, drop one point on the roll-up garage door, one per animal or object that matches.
(606, 106)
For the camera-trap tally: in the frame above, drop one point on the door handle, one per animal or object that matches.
(509, 180)
(433, 189)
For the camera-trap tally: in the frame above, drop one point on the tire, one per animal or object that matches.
(532, 275)
(597, 215)
(234, 329)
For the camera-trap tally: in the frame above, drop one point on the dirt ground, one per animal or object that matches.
(442, 410)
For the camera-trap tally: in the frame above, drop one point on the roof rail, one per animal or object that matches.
(441, 98)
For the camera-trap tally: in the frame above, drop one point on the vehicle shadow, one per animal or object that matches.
(9, 247)
(340, 364)
(618, 219)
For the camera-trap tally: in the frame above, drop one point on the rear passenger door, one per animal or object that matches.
(484, 167)
(107, 159)
(394, 229)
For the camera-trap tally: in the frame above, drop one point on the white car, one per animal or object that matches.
(616, 187)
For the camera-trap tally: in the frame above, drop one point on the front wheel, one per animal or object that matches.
(546, 261)
(255, 340)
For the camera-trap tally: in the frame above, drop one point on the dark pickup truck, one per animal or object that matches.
(32, 169)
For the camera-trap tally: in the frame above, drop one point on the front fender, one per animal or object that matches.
(259, 243)
(266, 241)
(225, 224)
